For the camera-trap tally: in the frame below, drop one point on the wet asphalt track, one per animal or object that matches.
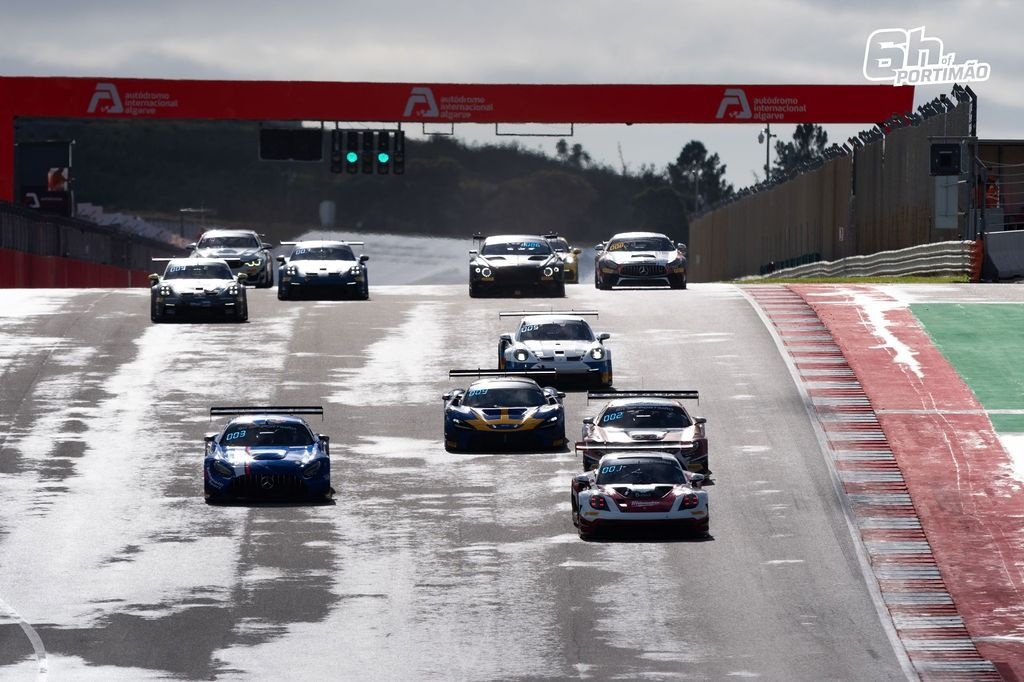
(429, 565)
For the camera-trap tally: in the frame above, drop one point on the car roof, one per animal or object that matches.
(637, 235)
(625, 457)
(519, 382)
(220, 232)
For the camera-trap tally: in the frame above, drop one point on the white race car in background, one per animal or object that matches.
(562, 341)
(640, 259)
(631, 491)
(323, 268)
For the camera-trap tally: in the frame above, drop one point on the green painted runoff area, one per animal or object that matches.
(985, 343)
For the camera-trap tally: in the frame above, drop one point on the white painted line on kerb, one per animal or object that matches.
(33, 637)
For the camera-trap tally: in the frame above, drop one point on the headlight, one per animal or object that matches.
(460, 423)
(222, 468)
(548, 272)
(233, 290)
(597, 353)
(486, 272)
(252, 263)
(521, 354)
(477, 271)
(291, 270)
(354, 270)
(165, 291)
(311, 469)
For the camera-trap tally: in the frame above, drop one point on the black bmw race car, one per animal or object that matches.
(516, 265)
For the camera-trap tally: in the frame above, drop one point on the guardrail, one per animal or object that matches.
(940, 258)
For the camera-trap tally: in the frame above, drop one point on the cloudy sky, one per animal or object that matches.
(525, 41)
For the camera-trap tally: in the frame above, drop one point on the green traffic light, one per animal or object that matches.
(383, 157)
(352, 157)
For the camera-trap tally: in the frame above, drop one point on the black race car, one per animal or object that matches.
(244, 251)
(193, 287)
(517, 265)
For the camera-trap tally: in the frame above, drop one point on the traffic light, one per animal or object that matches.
(352, 151)
(398, 153)
(383, 151)
(337, 156)
(367, 153)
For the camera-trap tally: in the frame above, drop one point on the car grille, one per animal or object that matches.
(528, 274)
(643, 270)
(234, 263)
(267, 485)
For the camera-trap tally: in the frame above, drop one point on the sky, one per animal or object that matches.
(527, 41)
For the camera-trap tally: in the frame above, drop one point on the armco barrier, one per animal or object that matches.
(942, 258)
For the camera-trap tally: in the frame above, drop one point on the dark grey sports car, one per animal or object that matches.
(516, 265)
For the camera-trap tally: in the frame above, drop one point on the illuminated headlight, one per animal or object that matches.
(291, 270)
(552, 420)
(477, 271)
(311, 469)
(252, 263)
(486, 272)
(222, 468)
(354, 271)
(521, 354)
(165, 291)
(597, 353)
(548, 272)
(460, 423)
(233, 290)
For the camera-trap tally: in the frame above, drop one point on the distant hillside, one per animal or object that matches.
(448, 188)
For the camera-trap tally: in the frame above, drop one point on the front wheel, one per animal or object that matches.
(154, 314)
(243, 312)
(474, 291)
(575, 509)
(282, 294)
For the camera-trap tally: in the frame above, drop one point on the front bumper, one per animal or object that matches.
(582, 372)
(266, 483)
(183, 306)
(669, 524)
(504, 439)
(342, 284)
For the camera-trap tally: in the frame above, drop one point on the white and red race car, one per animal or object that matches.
(646, 421)
(630, 491)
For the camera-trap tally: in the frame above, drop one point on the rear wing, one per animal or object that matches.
(611, 448)
(549, 373)
(523, 313)
(340, 241)
(268, 409)
(163, 260)
(612, 395)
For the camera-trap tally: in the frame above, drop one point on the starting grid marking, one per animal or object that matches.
(922, 610)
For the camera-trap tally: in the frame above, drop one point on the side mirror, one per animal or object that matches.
(154, 279)
(210, 437)
(241, 277)
(599, 246)
(208, 440)
(697, 480)
(191, 247)
(363, 258)
(267, 246)
(326, 440)
(280, 259)
(560, 394)
(506, 337)
(603, 335)
(588, 421)
(582, 480)
(681, 246)
(700, 420)
(447, 396)
(577, 250)
(474, 252)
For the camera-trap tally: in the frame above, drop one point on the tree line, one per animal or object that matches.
(449, 188)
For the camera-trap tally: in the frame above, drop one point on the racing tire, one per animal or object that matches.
(559, 290)
(282, 294)
(585, 535)
(154, 316)
(474, 291)
(601, 284)
(243, 312)
(575, 510)
(677, 282)
(268, 279)
(364, 292)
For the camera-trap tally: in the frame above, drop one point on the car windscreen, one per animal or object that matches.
(504, 396)
(563, 330)
(323, 253)
(647, 472)
(203, 271)
(516, 248)
(646, 244)
(647, 417)
(244, 241)
(264, 435)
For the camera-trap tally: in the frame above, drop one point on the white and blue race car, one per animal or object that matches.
(323, 268)
(559, 341)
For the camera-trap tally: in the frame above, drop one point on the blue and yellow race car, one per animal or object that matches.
(503, 411)
(267, 453)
